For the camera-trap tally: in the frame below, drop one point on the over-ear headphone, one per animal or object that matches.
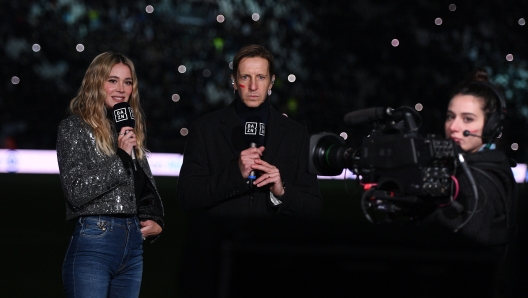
(495, 123)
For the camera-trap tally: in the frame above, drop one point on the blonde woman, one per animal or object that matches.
(115, 206)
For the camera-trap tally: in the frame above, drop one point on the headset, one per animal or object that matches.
(495, 123)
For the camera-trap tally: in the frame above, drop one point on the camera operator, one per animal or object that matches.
(474, 120)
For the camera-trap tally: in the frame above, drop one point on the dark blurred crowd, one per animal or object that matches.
(340, 53)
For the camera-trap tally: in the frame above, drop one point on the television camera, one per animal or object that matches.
(400, 171)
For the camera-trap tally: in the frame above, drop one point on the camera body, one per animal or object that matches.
(397, 168)
(412, 165)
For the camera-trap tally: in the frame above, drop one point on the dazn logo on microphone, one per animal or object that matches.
(251, 128)
(120, 115)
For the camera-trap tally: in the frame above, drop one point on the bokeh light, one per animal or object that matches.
(515, 146)
(395, 42)
(438, 21)
(522, 22)
(291, 78)
(418, 107)
(149, 9)
(15, 80)
(509, 57)
(230, 65)
(79, 47)
(182, 68)
(255, 17)
(35, 47)
(220, 18)
(344, 135)
(175, 97)
(452, 7)
(206, 73)
(184, 131)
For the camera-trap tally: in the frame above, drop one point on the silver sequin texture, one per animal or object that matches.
(93, 183)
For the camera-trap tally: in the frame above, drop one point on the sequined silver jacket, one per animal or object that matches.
(94, 183)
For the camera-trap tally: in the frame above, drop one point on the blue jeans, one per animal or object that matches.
(105, 258)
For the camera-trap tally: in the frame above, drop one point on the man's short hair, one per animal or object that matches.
(251, 51)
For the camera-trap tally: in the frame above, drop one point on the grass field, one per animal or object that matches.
(35, 235)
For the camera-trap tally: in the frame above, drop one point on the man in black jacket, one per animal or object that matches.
(223, 174)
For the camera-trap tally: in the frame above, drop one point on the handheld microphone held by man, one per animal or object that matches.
(124, 116)
(254, 134)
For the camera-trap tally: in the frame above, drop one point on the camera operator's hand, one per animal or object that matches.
(270, 176)
(247, 159)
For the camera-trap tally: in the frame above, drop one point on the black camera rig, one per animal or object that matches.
(399, 170)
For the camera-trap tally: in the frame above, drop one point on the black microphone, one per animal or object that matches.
(254, 133)
(367, 115)
(466, 133)
(124, 116)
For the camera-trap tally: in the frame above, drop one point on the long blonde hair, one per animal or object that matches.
(89, 103)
